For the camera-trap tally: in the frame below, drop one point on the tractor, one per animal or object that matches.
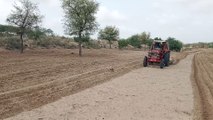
(159, 53)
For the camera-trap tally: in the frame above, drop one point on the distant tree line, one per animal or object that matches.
(138, 40)
(80, 23)
(33, 33)
(199, 45)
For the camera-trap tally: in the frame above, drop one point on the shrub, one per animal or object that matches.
(44, 43)
(135, 41)
(92, 44)
(12, 43)
(210, 45)
(2, 42)
(174, 44)
(123, 43)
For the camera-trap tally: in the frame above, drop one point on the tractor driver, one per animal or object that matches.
(164, 47)
(157, 45)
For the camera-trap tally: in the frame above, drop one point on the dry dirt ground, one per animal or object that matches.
(143, 94)
(202, 79)
(40, 77)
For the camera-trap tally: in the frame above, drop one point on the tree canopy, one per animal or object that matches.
(80, 19)
(25, 16)
(174, 44)
(110, 33)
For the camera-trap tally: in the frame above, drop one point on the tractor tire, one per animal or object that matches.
(166, 59)
(162, 64)
(145, 61)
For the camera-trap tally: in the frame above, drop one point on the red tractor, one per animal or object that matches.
(158, 53)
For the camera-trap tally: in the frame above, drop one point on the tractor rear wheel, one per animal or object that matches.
(166, 59)
(162, 64)
(145, 61)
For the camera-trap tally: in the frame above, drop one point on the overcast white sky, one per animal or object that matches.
(187, 20)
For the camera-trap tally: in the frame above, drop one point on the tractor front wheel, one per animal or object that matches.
(145, 61)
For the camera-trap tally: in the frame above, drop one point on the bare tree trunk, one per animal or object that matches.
(80, 45)
(22, 43)
(80, 49)
(110, 44)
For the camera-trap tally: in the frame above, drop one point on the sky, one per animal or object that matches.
(187, 20)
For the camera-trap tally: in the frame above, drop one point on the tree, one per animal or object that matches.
(109, 33)
(145, 37)
(157, 38)
(25, 17)
(135, 41)
(80, 20)
(49, 32)
(174, 44)
(35, 33)
(122, 43)
(38, 33)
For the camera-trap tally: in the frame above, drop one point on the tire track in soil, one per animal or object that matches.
(17, 101)
(202, 80)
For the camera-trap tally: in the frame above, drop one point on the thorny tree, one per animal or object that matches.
(80, 20)
(25, 15)
(109, 33)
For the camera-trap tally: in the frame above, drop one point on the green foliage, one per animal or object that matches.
(145, 37)
(8, 30)
(80, 18)
(50, 42)
(157, 38)
(135, 41)
(149, 42)
(110, 33)
(123, 43)
(39, 33)
(210, 45)
(36, 34)
(92, 44)
(174, 44)
(84, 38)
(25, 16)
(10, 43)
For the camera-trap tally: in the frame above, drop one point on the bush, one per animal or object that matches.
(92, 44)
(210, 45)
(149, 42)
(44, 43)
(123, 43)
(50, 42)
(11, 43)
(2, 42)
(135, 41)
(174, 44)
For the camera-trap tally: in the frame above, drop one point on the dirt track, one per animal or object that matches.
(146, 93)
(203, 85)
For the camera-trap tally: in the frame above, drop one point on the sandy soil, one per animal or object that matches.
(39, 77)
(202, 79)
(146, 93)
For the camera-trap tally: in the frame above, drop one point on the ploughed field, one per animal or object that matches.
(38, 77)
(203, 84)
(42, 76)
